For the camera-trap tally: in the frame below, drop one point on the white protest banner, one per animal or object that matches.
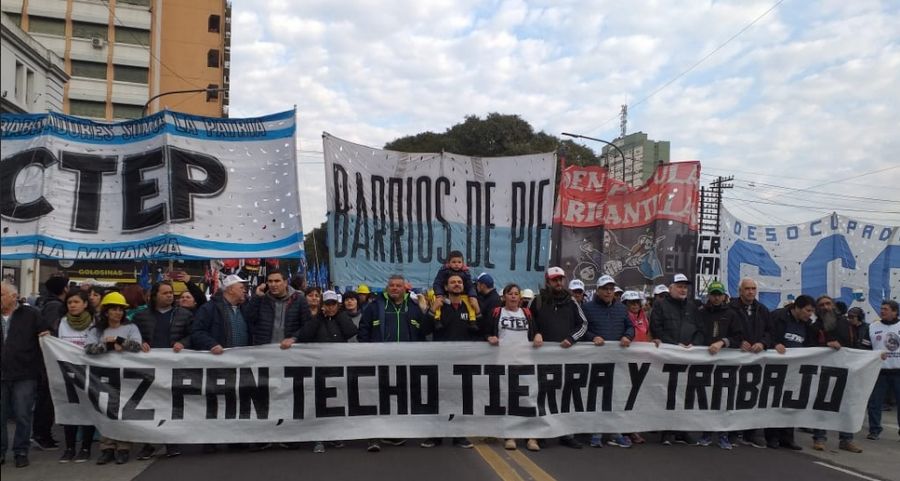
(851, 260)
(401, 213)
(319, 392)
(168, 186)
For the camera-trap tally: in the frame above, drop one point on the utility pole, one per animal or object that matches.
(623, 121)
(711, 204)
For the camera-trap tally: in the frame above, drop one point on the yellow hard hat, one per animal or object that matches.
(114, 299)
(363, 289)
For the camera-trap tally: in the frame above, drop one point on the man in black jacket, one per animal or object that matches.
(756, 337)
(278, 313)
(558, 318)
(793, 326)
(52, 310)
(20, 369)
(675, 320)
(454, 320)
(163, 325)
(488, 298)
(838, 333)
(721, 330)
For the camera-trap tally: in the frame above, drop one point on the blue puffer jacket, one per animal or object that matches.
(609, 321)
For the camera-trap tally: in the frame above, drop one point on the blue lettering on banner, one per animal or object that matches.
(880, 275)
(771, 236)
(793, 232)
(814, 229)
(851, 225)
(835, 222)
(814, 270)
(755, 255)
(751, 232)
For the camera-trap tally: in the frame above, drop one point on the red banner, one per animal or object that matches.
(588, 197)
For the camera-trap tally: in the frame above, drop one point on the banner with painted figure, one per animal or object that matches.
(852, 260)
(641, 236)
(167, 186)
(402, 213)
(317, 392)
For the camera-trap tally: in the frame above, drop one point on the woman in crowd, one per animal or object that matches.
(638, 317)
(187, 301)
(351, 307)
(95, 294)
(74, 328)
(511, 324)
(113, 333)
(136, 298)
(314, 299)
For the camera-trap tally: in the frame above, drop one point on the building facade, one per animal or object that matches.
(32, 80)
(642, 155)
(122, 53)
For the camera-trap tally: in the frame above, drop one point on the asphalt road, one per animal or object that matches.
(489, 461)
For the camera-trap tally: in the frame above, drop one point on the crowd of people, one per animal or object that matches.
(456, 308)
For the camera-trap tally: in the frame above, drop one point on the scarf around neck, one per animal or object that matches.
(81, 321)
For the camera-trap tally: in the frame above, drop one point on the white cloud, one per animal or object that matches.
(804, 95)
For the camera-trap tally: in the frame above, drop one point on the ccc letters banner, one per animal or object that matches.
(401, 213)
(168, 186)
(318, 392)
(852, 260)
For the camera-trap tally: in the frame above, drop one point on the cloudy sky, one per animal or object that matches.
(799, 100)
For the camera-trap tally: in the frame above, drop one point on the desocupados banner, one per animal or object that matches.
(852, 260)
(167, 186)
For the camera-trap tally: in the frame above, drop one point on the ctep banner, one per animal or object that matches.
(402, 213)
(167, 186)
(322, 392)
(852, 260)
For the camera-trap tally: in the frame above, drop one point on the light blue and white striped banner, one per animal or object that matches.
(168, 186)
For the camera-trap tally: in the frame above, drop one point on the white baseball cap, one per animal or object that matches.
(232, 280)
(329, 296)
(660, 289)
(576, 285)
(631, 296)
(680, 278)
(527, 294)
(604, 280)
(619, 289)
(554, 271)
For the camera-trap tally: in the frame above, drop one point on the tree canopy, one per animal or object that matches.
(495, 135)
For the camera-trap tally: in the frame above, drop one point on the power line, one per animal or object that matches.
(696, 64)
(826, 194)
(781, 176)
(149, 51)
(809, 207)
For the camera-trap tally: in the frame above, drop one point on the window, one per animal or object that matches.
(140, 3)
(127, 73)
(133, 36)
(87, 108)
(88, 69)
(50, 26)
(212, 93)
(15, 17)
(19, 91)
(214, 23)
(90, 30)
(212, 58)
(124, 111)
(30, 97)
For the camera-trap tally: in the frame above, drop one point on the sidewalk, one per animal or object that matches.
(45, 465)
(878, 459)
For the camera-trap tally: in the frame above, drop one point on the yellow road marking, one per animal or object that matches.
(496, 462)
(529, 466)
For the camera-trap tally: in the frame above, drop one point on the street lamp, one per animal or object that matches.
(192, 91)
(579, 136)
